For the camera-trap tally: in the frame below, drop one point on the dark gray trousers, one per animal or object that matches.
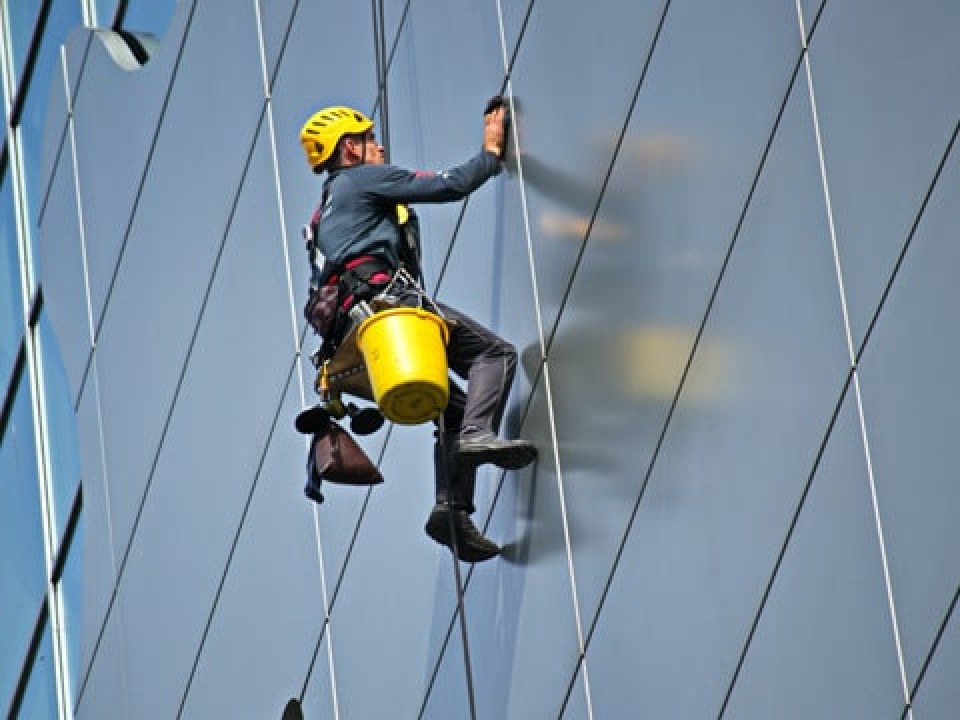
(488, 364)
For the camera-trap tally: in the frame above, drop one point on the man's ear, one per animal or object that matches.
(352, 148)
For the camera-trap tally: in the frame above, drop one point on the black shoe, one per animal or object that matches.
(471, 545)
(313, 420)
(481, 447)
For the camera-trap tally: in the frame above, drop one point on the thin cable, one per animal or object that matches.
(871, 478)
(551, 418)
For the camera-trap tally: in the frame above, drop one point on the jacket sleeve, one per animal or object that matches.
(395, 184)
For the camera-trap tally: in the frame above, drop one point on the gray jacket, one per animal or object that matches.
(358, 210)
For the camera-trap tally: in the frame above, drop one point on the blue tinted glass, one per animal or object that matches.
(105, 10)
(152, 16)
(22, 17)
(22, 574)
(11, 304)
(40, 700)
(64, 16)
(61, 426)
(71, 593)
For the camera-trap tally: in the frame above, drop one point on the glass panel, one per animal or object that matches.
(11, 298)
(22, 574)
(824, 645)
(939, 693)
(526, 595)
(61, 274)
(105, 10)
(269, 556)
(61, 426)
(912, 399)
(884, 131)
(275, 20)
(40, 699)
(152, 16)
(175, 238)
(743, 436)
(71, 595)
(21, 18)
(63, 17)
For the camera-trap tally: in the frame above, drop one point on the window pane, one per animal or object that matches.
(22, 573)
(22, 17)
(64, 16)
(11, 304)
(152, 16)
(40, 699)
(106, 9)
(71, 592)
(61, 426)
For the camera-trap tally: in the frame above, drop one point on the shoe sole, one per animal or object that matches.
(506, 458)
(439, 532)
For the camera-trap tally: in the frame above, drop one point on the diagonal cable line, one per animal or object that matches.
(908, 707)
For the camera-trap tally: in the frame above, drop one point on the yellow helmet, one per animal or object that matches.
(321, 133)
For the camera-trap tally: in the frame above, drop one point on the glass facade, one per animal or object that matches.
(40, 500)
(721, 244)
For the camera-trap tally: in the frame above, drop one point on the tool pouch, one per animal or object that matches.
(336, 457)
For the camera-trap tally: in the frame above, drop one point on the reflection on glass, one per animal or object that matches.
(63, 17)
(40, 699)
(22, 576)
(71, 593)
(105, 10)
(61, 426)
(21, 17)
(152, 16)
(11, 305)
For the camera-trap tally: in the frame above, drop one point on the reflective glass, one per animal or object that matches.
(22, 573)
(40, 698)
(269, 555)
(174, 241)
(63, 17)
(888, 105)
(65, 303)
(71, 596)
(105, 10)
(911, 396)
(212, 454)
(21, 16)
(939, 693)
(11, 298)
(528, 595)
(61, 426)
(726, 474)
(152, 16)
(824, 645)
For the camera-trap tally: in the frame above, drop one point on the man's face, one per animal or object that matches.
(372, 150)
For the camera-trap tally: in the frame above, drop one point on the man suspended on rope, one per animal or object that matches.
(363, 236)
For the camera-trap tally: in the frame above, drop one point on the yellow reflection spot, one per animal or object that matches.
(651, 362)
(575, 226)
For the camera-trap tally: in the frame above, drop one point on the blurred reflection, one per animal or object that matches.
(624, 339)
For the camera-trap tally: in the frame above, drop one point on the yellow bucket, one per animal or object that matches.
(404, 350)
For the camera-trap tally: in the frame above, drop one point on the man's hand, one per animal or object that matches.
(494, 126)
